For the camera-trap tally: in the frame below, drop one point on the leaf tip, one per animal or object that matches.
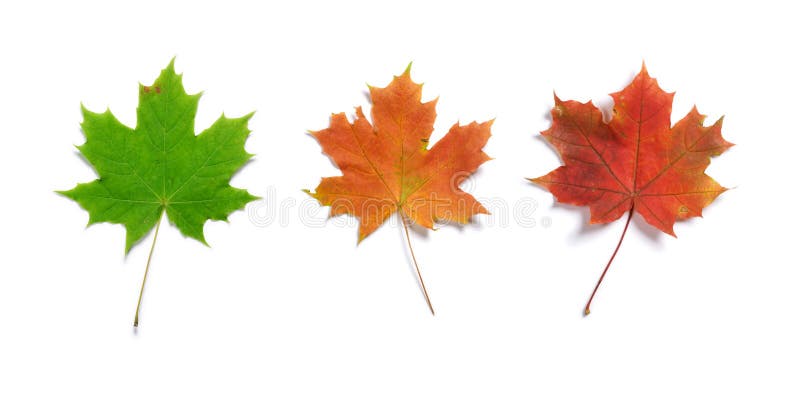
(251, 198)
(310, 194)
(171, 65)
(407, 71)
(534, 180)
(67, 194)
(643, 70)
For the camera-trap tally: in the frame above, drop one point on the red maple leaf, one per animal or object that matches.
(634, 163)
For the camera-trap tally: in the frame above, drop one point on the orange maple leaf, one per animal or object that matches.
(636, 162)
(387, 167)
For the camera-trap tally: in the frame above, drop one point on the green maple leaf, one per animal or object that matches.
(161, 165)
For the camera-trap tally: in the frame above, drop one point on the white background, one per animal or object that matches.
(295, 307)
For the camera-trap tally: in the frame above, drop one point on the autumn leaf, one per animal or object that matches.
(387, 167)
(161, 166)
(635, 162)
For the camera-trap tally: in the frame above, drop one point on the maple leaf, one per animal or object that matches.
(636, 162)
(387, 167)
(161, 165)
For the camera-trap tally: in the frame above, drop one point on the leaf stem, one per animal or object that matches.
(414, 258)
(146, 269)
(586, 310)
